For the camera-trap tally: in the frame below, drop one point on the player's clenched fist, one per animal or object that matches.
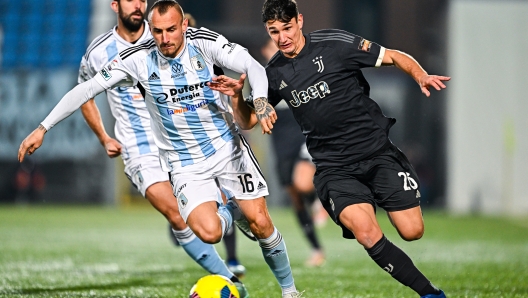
(31, 143)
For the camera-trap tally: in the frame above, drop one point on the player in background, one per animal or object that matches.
(198, 142)
(295, 169)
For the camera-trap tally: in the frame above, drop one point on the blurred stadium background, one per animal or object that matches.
(469, 144)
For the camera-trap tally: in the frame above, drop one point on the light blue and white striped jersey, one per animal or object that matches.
(132, 127)
(190, 121)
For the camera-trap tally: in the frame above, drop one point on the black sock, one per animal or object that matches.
(230, 244)
(234, 279)
(393, 260)
(307, 225)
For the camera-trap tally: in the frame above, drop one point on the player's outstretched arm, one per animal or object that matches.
(93, 118)
(410, 66)
(244, 116)
(31, 143)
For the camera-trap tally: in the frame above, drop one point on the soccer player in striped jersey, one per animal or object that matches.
(135, 142)
(319, 76)
(198, 142)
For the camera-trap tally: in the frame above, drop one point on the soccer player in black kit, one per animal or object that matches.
(319, 76)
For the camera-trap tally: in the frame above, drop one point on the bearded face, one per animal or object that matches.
(131, 20)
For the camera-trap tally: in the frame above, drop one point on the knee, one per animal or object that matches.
(209, 236)
(368, 238)
(412, 234)
(262, 226)
(175, 219)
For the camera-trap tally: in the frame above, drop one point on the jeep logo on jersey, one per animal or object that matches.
(198, 62)
(177, 70)
(320, 89)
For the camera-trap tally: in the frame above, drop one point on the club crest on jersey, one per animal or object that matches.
(177, 70)
(365, 45)
(198, 62)
(319, 62)
(182, 200)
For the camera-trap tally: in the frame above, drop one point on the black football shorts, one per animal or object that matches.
(387, 180)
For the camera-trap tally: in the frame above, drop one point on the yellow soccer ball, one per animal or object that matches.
(214, 286)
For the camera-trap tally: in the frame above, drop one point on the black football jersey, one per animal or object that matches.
(329, 96)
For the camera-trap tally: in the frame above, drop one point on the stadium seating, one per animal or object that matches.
(44, 34)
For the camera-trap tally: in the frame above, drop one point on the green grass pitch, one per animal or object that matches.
(110, 252)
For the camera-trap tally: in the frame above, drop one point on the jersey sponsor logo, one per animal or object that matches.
(282, 85)
(105, 73)
(260, 186)
(231, 47)
(319, 62)
(174, 93)
(180, 189)
(153, 77)
(177, 71)
(320, 89)
(365, 45)
(198, 62)
(112, 64)
(190, 107)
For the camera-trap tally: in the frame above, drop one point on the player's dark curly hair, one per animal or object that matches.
(279, 10)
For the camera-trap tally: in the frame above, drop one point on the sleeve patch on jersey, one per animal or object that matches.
(112, 64)
(105, 73)
(231, 46)
(365, 45)
(198, 62)
(83, 73)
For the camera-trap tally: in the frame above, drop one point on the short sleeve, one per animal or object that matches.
(273, 95)
(358, 52)
(86, 70)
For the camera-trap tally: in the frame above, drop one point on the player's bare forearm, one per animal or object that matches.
(244, 116)
(410, 66)
(92, 116)
(404, 62)
(266, 114)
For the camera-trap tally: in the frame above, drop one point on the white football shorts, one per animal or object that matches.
(232, 168)
(144, 171)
